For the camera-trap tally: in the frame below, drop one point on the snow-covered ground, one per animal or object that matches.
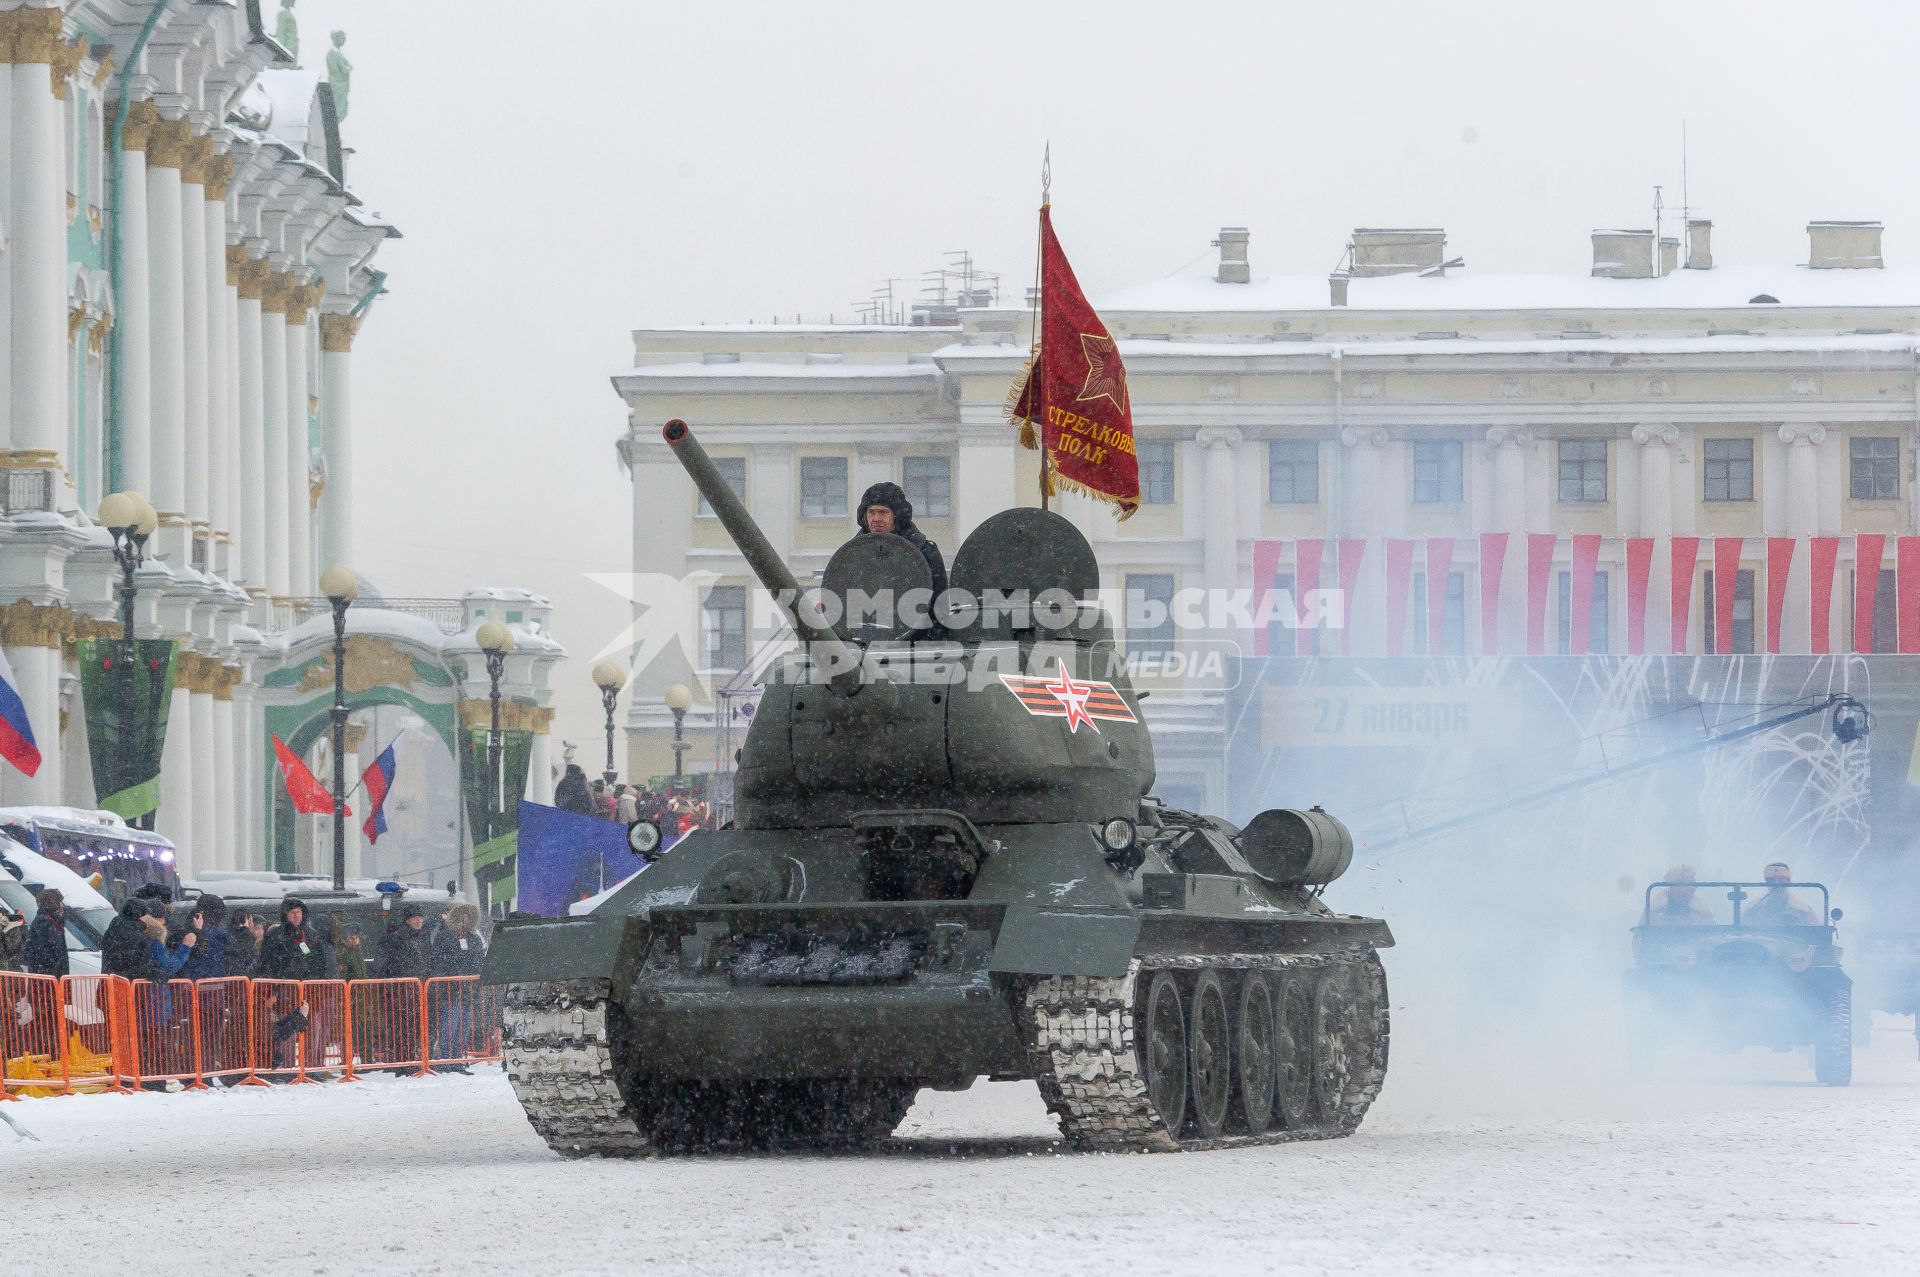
(1528, 1161)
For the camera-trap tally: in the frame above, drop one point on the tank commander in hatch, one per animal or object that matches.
(884, 508)
(1674, 906)
(1778, 908)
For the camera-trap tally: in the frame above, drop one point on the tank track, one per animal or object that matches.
(560, 1062)
(1081, 1034)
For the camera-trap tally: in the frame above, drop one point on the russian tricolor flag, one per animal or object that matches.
(377, 781)
(16, 733)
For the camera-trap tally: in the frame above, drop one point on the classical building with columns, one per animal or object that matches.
(185, 268)
(1666, 455)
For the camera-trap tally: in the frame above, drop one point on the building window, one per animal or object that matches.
(1149, 611)
(1436, 472)
(1876, 468)
(1729, 469)
(823, 487)
(1742, 616)
(1156, 472)
(1453, 621)
(734, 471)
(929, 485)
(1597, 619)
(725, 638)
(1293, 472)
(1583, 470)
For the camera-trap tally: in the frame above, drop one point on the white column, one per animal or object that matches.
(273, 433)
(193, 285)
(38, 672)
(226, 799)
(540, 769)
(206, 843)
(1803, 521)
(249, 845)
(1656, 444)
(38, 253)
(235, 477)
(218, 456)
(299, 524)
(169, 348)
(336, 416)
(175, 817)
(252, 532)
(132, 321)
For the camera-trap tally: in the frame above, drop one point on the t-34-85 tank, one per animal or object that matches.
(944, 863)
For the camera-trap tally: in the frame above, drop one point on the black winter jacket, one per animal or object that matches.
(456, 954)
(402, 954)
(894, 498)
(124, 950)
(46, 949)
(283, 958)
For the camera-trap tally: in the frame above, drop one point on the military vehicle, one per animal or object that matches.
(945, 863)
(1768, 975)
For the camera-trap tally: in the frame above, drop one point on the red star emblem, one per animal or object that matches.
(1073, 698)
(1105, 377)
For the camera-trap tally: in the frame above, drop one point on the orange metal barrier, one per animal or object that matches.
(463, 1021)
(91, 1033)
(389, 1024)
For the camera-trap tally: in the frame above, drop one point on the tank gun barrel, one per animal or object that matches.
(826, 645)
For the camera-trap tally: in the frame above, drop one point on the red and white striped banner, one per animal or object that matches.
(1686, 552)
(1869, 549)
(1906, 580)
(1439, 567)
(1826, 553)
(1586, 561)
(1350, 552)
(1726, 581)
(1639, 570)
(1399, 579)
(1779, 564)
(1493, 557)
(1539, 575)
(1306, 578)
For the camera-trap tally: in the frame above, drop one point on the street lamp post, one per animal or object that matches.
(495, 640)
(129, 519)
(608, 677)
(678, 698)
(340, 585)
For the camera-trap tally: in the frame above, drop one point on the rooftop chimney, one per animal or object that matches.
(1669, 254)
(1623, 254)
(1233, 255)
(1699, 244)
(1379, 251)
(1337, 287)
(1844, 245)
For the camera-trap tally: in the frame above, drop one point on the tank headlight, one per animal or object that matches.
(1118, 834)
(643, 838)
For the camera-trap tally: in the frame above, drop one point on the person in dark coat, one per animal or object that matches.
(46, 948)
(457, 950)
(293, 950)
(209, 958)
(884, 508)
(241, 950)
(402, 953)
(573, 793)
(123, 950)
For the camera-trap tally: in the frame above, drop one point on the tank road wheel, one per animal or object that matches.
(1253, 1054)
(1293, 1053)
(1332, 1042)
(1163, 1050)
(1358, 1051)
(1833, 1047)
(1210, 1056)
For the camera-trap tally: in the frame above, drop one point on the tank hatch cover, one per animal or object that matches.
(1031, 554)
(871, 577)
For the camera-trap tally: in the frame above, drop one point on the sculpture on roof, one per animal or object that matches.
(286, 32)
(339, 74)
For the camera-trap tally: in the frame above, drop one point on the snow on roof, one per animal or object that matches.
(744, 369)
(38, 871)
(1728, 343)
(1723, 287)
(291, 91)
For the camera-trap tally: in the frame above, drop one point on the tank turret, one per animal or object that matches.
(945, 861)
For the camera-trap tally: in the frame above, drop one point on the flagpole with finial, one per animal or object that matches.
(1035, 353)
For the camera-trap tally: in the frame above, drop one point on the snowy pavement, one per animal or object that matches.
(1543, 1163)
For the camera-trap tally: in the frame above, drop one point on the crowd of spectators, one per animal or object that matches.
(675, 811)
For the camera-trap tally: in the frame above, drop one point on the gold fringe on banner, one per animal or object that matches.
(1057, 482)
(1028, 439)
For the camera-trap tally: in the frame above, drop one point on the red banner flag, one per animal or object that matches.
(1307, 554)
(1266, 567)
(1075, 390)
(1906, 581)
(1493, 557)
(1826, 553)
(1639, 569)
(1726, 579)
(1779, 563)
(309, 796)
(1399, 578)
(1868, 550)
(1439, 567)
(1686, 552)
(1539, 573)
(1348, 554)
(1586, 564)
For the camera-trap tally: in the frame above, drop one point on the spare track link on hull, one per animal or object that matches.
(1081, 1033)
(561, 1065)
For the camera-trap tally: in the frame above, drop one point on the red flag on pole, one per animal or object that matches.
(1906, 588)
(1826, 554)
(1868, 550)
(1639, 569)
(1726, 578)
(309, 796)
(1075, 392)
(1586, 570)
(1779, 564)
(1539, 572)
(1686, 552)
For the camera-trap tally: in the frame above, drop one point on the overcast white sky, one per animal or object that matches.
(566, 172)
